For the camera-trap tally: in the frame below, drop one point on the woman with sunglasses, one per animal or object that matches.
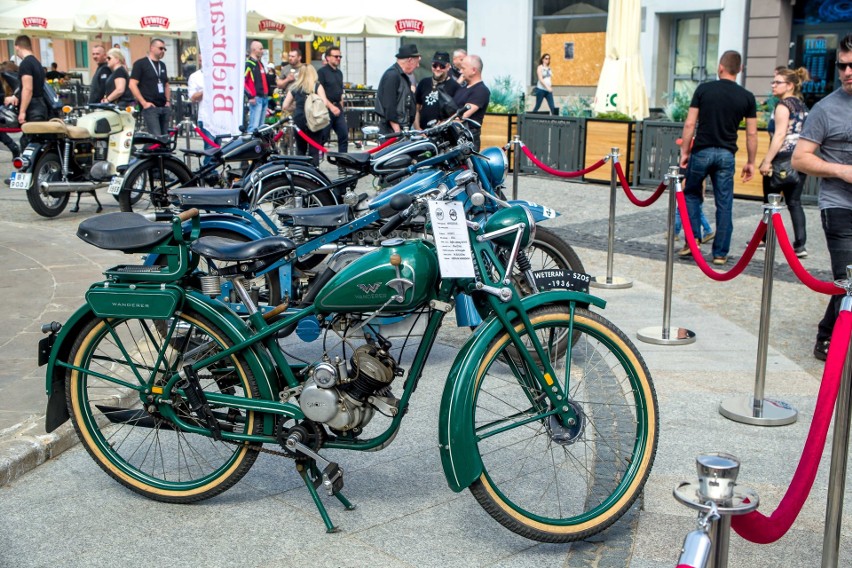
(544, 87)
(784, 128)
(116, 88)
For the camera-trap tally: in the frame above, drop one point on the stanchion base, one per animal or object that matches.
(614, 283)
(775, 412)
(674, 336)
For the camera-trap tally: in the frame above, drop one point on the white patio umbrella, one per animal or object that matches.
(41, 16)
(394, 18)
(261, 27)
(621, 86)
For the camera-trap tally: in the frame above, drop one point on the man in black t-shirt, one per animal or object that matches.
(331, 79)
(149, 83)
(431, 104)
(102, 73)
(30, 97)
(717, 107)
(475, 94)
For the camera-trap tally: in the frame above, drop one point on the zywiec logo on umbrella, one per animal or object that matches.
(264, 25)
(409, 25)
(154, 22)
(35, 22)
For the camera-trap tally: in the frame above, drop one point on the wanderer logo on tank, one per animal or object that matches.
(409, 25)
(369, 288)
(35, 22)
(154, 22)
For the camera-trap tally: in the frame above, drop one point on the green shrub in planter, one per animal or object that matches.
(507, 96)
(614, 115)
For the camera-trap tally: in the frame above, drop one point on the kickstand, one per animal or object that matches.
(343, 500)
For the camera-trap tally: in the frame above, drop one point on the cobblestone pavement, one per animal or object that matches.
(406, 515)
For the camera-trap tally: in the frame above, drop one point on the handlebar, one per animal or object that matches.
(428, 131)
(188, 214)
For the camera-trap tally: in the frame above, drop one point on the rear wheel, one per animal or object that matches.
(129, 438)
(553, 481)
(146, 188)
(48, 168)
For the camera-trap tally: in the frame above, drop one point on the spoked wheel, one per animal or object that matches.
(549, 250)
(47, 169)
(128, 437)
(556, 482)
(146, 188)
(281, 193)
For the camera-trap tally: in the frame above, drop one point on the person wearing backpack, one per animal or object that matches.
(30, 101)
(305, 96)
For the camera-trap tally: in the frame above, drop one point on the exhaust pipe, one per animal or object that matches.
(70, 186)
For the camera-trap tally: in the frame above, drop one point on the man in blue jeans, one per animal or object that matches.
(714, 115)
(256, 88)
(827, 130)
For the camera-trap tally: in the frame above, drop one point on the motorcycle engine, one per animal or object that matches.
(345, 399)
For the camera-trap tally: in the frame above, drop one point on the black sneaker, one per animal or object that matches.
(821, 349)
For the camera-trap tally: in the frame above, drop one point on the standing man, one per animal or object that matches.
(30, 100)
(257, 91)
(290, 72)
(195, 90)
(395, 96)
(149, 83)
(475, 94)
(431, 103)
(331, 79)
(827, 130)
(102, 73)
(455, 70)
(717, 107)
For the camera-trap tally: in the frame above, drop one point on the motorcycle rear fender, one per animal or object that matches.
(277, 170)
(258, 361)
(540, 212)
(32, 152)
(456, 437)
(165, 157)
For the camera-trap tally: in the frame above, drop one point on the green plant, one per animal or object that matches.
(506, 96)
(614, 115)
(678, 106)
(575, 105)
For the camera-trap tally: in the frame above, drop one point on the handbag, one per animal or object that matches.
(783, 174)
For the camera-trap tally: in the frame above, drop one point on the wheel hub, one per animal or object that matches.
(566, 434)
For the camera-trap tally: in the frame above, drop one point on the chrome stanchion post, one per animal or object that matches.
(757, 410)
(839, 449)
(186, 126)
(516, 164)
(668, 335)
(611, 281)
(717, 497)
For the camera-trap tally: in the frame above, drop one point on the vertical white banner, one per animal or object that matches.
(222, 41)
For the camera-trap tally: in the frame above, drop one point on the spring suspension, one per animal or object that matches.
(524, 261)
(211, 286)
(66, 159)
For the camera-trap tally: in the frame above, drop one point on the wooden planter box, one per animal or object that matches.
(601, 137)
(498, 129)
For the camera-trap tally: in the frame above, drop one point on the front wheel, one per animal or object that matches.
(48, 168)
(560, 482)
(146, 187)
(115, 363)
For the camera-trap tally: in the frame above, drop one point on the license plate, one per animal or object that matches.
(20, 180)
(115, 185)
(565, 279)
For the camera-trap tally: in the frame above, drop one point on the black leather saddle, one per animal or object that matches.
(123, 231)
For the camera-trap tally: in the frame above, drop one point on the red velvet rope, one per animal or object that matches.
(759, 528)
(629, 192)
(560, 173)
(10, 130)
(796, 264)
(384, 144)
(737, 269)
(308, 139)
(206, 138)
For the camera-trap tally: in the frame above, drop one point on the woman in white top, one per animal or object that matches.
(544, 87)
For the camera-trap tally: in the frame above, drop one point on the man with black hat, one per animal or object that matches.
(395, 97)
(434, 95)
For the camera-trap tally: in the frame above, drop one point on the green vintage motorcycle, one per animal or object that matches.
(174, 395)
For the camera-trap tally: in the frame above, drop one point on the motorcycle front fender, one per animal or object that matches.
(167, 158)
(236, 330)
(285, 170)
(456, 436)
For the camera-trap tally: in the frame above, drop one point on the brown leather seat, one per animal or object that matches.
(55, 126)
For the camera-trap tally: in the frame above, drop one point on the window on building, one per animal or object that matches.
(561, 17)
(81, 53)
(695, 52)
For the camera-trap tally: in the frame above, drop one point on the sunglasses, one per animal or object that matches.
(842, 66)
(439, 66)
(161, 48)
(779, 82)
(337, 56)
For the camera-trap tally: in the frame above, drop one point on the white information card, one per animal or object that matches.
(449, 227)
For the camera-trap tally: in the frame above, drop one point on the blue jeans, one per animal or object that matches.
(706, 229)
(540, 95)
(717, 163)
(257, 113)
(837, 224)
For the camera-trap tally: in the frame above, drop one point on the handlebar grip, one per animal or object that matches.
(397, 175)
(392, 135)
(188, 214)
(393, 223)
